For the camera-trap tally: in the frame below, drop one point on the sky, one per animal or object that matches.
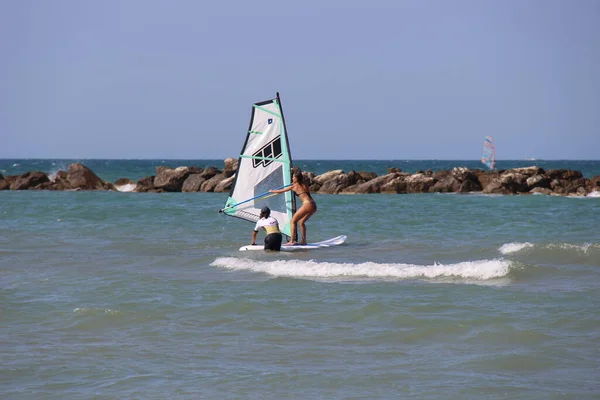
(389, 80)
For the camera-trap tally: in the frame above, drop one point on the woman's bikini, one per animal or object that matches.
(307, 200)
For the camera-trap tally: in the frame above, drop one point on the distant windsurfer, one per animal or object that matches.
(271, 226)
(308, 208)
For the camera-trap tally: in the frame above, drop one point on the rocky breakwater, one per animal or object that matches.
(528, 180)
(457, 180)
(77, 177)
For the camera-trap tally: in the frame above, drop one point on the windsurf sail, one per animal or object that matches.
(265, 163)
(489, 153)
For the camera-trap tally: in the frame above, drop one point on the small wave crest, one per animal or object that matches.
(474, 270)
(580, 248)
(514, 247)
(129, 187)
(95, 311)
(55, 170)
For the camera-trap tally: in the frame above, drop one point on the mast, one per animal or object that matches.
(287, 145)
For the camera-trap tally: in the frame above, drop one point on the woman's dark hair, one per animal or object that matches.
(299, 176)
(265, 212)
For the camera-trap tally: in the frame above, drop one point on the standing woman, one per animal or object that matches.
(308, 208)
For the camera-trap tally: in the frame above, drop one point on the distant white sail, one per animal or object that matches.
(489, 153)
(265, 163)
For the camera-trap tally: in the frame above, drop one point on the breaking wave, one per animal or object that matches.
(128, 187)
(473, 270)
(585, 248)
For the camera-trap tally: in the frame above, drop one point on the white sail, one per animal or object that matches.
(265, 163)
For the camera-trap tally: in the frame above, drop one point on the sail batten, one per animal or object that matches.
(267, 111)
(266, 158)
(264, 163)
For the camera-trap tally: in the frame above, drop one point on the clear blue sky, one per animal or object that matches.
(398, 79)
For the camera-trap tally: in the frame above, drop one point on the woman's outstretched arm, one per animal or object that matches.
(281, 190)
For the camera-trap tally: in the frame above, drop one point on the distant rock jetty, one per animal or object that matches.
(529, 180)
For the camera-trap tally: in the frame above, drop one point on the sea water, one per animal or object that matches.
(115, 295)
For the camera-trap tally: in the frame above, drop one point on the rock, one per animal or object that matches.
(393, 182)
(528, 171)
(514, 182)
(231, 166)
(469, 186)
(193, 183)
(563, 174)
(367, 176)
(495, 186)
(210, 172)
(225, 185)
(327, 176)
(194, 169)
(593, 185)
(29, 180)
(170, 180)
(4, 183)
(397, 184)
(210, 184)
(145, 185)
(61, 181)
(458, 180)
(538, 181)
(338, 182)
(564, 182)
(579, 192)
(81, 177)
(486, 178)
(419, 183)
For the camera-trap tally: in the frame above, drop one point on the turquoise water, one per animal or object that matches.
(433, 296)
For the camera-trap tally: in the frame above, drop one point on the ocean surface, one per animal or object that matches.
(112, 295)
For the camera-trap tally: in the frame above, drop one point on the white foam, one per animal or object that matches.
(475, 270)
(55, 171)
(595, 194)
(128, 187)
(514, 247)
(584, 248)
(95, 310)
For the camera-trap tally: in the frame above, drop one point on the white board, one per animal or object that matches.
(310, 246)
